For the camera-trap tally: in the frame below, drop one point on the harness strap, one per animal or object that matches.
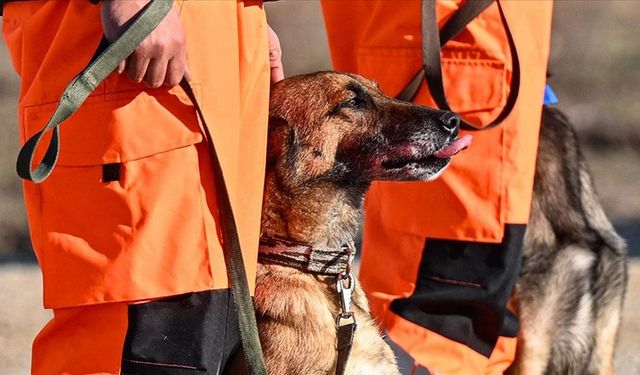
(433, 40)
(73, 97)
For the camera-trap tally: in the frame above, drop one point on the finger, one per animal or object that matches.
(156, 71)
(175, 72)
(121, 67)
(136, 67)
(275, 57)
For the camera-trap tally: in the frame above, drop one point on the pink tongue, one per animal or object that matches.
(454, 147)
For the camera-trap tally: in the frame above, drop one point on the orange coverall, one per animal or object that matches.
(151, 232)
(480, 199)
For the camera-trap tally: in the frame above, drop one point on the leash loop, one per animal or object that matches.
(83, 85)
(432, 41)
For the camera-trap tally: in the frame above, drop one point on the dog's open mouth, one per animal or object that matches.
(421, 161)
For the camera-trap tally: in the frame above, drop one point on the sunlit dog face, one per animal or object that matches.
(341, 128)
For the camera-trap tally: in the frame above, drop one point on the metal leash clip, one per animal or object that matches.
(345, 284)
(346, 319)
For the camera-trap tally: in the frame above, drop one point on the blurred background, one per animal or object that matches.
(595, 67)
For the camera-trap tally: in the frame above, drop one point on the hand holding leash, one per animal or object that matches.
(161, 58)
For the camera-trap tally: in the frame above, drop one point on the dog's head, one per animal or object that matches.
(341, 128)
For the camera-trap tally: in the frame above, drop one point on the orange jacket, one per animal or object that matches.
(487, 186)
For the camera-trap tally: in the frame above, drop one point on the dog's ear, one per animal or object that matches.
(280, 138)
(302, 155)
(315, 150)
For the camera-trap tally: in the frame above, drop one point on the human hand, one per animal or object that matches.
(161, 58)
(275, 57)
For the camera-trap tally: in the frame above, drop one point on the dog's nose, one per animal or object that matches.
(450, 122)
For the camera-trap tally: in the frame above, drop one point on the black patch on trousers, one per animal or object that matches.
(463, 288)
(193, 333)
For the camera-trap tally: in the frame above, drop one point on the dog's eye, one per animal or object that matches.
(354, 102)
(351, 103)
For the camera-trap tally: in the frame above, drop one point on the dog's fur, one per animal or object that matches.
(574, 270)
(330, 135)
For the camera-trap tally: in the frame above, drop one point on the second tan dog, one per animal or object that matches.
(330, 135)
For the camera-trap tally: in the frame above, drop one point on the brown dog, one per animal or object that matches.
(330, 135)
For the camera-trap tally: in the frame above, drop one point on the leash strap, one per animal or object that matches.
(432, 41)
(233, 256)
(72, 98)
(346, 330)
(346, 320)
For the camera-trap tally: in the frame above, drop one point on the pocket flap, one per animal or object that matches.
(118, 127)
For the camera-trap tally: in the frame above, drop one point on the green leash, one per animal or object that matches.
(72, 98)
(83, 84)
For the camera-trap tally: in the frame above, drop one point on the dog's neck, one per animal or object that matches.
(321, 214)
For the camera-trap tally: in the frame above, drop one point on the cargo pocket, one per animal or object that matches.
(123, 201)
(479, 95)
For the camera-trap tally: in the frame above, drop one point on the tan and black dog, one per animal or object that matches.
(574, 270)
(330, 136)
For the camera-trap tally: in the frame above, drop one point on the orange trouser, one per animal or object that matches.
(150, 231)
(481, 202)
